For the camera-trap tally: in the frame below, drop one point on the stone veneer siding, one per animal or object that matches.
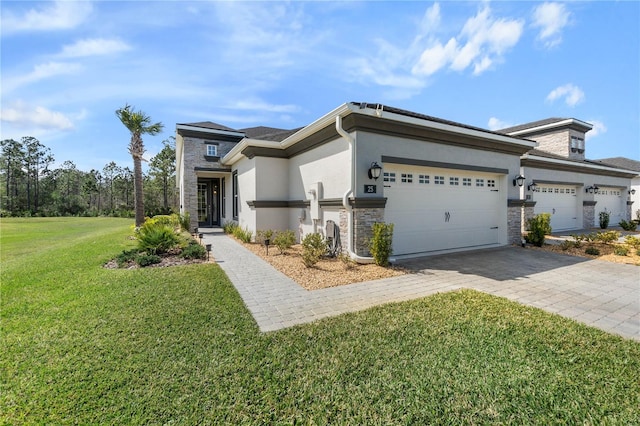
(344, 229)
(363, 220)
(514, 224)
(588, 214)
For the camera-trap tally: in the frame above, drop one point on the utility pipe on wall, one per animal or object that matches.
(345, 197)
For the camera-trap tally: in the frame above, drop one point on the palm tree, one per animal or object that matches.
(138, 124)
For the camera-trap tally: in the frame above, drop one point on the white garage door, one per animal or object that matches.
(613, 201)
(561, 202)
(442, 209)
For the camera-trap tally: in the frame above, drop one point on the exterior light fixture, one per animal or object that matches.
(532, 186)
(589, 189)
(374, 171)
(518, 180)
(208, 248)
(592, 189)
(632, 191)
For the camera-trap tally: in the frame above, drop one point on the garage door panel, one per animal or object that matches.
(561, 202)
(438, 209)
(610, 199)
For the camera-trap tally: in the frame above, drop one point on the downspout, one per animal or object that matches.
(347, 194)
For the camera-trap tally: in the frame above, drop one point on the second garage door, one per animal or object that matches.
(437, 210)
(611, 200)
(561, 202)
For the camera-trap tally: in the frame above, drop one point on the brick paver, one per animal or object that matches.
(601, 294)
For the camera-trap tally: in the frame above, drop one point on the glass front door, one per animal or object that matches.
(208, 200)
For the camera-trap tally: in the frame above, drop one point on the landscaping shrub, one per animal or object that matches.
(566, 245)
(243, 234)
(628, 226)
(126, 256)
(620, 251)
(284, 240)
(347, 261)
(632, 241)
(592, 251)
(313, 248)
(380, 244)
(263, 234)
(608, 236)
(193, 251)
(539, 226)
(604, 219)
(185, 221)
(156, 238)
(229, 227)
(148, 259)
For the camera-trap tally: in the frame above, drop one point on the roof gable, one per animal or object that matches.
(209, 125)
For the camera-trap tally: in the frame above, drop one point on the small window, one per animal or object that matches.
(438, 180)
(234, 190)
(562, 190)
(424, 179)
(479, 182)
(454, 181)
(389, 177)
(466, 181)
(491, 183)
(212, 150)
(407, 178)
(544, 190)
(556, 190)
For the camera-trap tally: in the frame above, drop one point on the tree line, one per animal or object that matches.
(29, 186)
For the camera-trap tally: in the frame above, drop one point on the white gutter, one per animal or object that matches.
(236, 152)
(345, 197)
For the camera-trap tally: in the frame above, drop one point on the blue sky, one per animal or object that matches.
(67, 66)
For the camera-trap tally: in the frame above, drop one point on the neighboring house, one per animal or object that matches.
(634, 191)
(445, 186)
(571, 188)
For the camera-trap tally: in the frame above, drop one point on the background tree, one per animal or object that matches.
(12, 160)
(138, 123)
(163, 168)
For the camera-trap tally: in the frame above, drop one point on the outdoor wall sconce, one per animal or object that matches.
(532, 186)
(591, 189)
(374, 171)
(632, 191)
(519, 180)
(208, 247)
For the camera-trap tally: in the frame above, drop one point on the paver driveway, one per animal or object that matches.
(597, 293)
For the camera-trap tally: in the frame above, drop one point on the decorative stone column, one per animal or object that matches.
(588, 214)
(366, 212)
(518, 212)
(629, 210)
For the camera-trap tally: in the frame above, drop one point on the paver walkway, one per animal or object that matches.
(597, 293)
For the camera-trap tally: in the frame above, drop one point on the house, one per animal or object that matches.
(634, 191)
(445, 186)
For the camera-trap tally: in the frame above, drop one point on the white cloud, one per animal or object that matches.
(60, 15)
(41, 72)
(20, 114)
(482, 42)
(598, 129)
(551, 19)
(260, 105)
(572, 95)
(94, 47)
(497, 124)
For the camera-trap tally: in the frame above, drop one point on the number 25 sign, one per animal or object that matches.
(370, 189)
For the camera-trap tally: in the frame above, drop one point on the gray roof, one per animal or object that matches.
(620, 162)
(210, 125)
(545, 154)
(532, 124)
(256, 132)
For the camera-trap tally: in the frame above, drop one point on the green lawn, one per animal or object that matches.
(86, 345)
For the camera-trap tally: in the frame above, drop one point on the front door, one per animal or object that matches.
(208, 201)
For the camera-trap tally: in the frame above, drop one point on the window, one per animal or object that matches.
(453, 181)
(212, 150)
(234, 190)
(423, 179)
(491, 183)
(438, 180)
(389, 177)
(407, 178)
(479, 182)
(223, 208)
(466, 181)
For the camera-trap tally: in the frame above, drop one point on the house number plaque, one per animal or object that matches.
(370, 189)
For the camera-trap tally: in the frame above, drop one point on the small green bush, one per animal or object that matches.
(380, 244)
(127, 256)
(284, 240)
(347, 261)
(148, 259)
(567, 244)
(539, 226)
(156, 237)
(313, 248)
(229, 227)
(608, 236)
(628, 226)
(632, 241)
(185, 221)
(193, 251)
(604, 219)
(264, 234)
(621, 251)
(243, 234)
(592, 251)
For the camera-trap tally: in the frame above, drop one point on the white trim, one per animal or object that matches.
(571, 163)
(236, 152)
(208, 130)
(562, 123)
